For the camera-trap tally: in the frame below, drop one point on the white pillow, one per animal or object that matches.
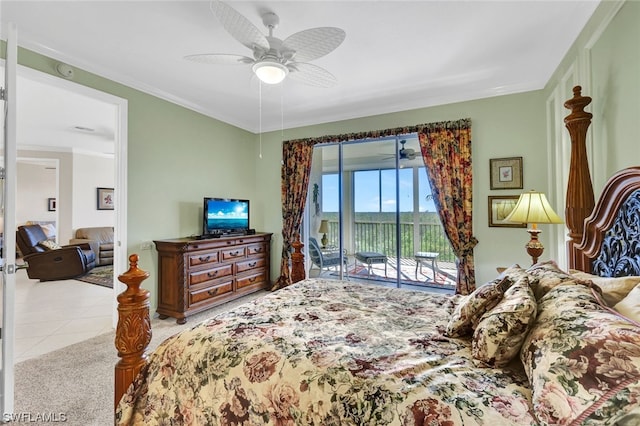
(613, 289)
(630, 305)
(49, 230)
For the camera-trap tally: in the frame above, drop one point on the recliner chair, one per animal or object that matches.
(48, 264)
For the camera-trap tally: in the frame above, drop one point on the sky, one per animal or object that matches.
(375, 191)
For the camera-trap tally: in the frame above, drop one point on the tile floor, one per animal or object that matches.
(54, 314)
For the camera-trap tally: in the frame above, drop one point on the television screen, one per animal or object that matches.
(222, 215)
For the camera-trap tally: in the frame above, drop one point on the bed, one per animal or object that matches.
(536, 345)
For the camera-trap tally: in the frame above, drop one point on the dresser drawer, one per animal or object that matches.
(203, 258)
(232, 253)
(198, 296)
(246, 265)
(252, 279)
(256, 249)
(210, 274)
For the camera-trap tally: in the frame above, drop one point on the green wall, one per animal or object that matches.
(606, 59)
(615, 71)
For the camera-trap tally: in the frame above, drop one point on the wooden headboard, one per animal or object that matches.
(611, 242)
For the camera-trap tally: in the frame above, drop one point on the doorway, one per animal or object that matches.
(67, 123)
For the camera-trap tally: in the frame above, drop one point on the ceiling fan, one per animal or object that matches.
(403, 153)
(274, 59)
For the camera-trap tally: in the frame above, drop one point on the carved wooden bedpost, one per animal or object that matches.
(580, 199)
(297, 261)
(133, 332)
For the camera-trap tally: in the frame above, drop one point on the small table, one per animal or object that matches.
(427, 256)
(370, 258)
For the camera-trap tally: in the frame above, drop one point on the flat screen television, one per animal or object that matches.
(225, 216)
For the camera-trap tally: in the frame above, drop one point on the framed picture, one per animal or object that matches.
(51, 204)
(499, 209)
(105, 198)
(506, 173)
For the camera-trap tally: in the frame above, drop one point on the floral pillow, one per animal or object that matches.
(467, 313)
(49, 245)
(544, 276)
(501, 331)
(583, 362)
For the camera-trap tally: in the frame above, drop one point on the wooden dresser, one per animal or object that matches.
(195, 275)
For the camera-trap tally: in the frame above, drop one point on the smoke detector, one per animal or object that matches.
(65, 70)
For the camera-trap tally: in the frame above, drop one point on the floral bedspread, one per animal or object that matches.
(326, 352)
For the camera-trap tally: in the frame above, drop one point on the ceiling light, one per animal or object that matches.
(270, 72)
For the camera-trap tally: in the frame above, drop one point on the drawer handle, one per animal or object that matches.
(257, 250)
(212, 292)
(253, 279)
(252, 264)
(204, 259)
(234, 253)
(212, 274)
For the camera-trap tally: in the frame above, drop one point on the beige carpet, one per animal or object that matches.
(77, 381)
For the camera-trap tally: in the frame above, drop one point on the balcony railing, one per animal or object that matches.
(381, 237)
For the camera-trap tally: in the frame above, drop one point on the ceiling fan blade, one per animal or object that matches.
(314, 43)
(311, 75)
(220, 59)
(239, 27)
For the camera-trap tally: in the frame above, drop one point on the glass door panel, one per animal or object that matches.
(371, 166)
(326, 256)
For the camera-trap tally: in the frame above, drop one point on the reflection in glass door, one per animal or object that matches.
(326, 256)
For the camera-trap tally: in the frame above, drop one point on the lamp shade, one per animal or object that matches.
(270, 72)
(324, 227)
(533, 207)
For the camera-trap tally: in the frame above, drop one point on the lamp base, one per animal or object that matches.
(534, 246)
(324, 241)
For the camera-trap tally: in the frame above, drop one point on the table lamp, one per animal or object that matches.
(532, 207)
(324, 229)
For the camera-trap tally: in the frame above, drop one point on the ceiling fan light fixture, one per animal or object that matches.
(270, 72)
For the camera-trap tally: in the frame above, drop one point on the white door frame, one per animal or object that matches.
(7, 376)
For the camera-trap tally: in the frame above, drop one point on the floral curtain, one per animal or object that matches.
(296, 168)
(446, 150)
(449, 173)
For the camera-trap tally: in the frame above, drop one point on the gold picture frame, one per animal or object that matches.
(506, 173)
(499, 209)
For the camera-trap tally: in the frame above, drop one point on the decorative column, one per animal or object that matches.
(297, 261)
(133, 332)
(580, 199)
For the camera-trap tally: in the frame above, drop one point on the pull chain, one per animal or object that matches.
(282, 111)
(260, 118)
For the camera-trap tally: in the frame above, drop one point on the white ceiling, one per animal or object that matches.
(397, 55)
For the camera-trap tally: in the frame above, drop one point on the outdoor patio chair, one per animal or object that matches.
(329, 261)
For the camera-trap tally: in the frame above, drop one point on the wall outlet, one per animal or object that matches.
(147, 245)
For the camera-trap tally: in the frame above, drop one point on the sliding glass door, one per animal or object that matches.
(373, 201)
